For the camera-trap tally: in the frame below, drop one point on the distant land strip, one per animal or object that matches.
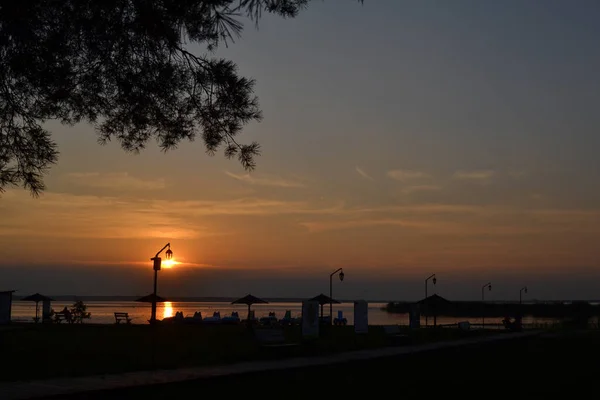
(178, 299)
(208, 299)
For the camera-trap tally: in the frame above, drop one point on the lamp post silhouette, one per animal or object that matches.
(341, 274)
(489, 286)
(434, 282)
(157, 263)
(523, 289)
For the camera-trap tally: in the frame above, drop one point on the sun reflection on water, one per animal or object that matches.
(168, 309)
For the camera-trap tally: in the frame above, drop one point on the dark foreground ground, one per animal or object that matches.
(565, 367)
(53, 351)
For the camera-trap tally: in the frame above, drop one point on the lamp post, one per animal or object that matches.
(434, 282)
(157, 262)
(523, 289)
(489, 286)
(341, 274)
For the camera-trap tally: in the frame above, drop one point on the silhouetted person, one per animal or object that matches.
(67, 314)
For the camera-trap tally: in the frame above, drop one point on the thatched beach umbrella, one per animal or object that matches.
(322, 300)
(37, 298)
(249, 300)
(151, 298)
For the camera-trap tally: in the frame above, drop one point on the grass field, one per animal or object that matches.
(563, 367)
(78, 350)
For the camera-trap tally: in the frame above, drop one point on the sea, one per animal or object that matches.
(102, 312)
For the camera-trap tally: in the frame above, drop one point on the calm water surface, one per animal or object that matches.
(103, 312)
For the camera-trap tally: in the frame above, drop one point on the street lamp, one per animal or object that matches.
(341, 274)
(434, 282)
(157, 262)
(523, 289)
(489, 286)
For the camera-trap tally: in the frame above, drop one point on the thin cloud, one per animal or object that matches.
(239, 207)
(67, 215)
(478, 176)
(517, 174)
(85, 216)
(421, 188)
(114, 180)
(484, 221)
(404, 175)
(319, 226)
(143, 264)
(429, 226)
(266, 180)
(362, 173)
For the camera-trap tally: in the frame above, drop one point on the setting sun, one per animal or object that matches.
(169, 263)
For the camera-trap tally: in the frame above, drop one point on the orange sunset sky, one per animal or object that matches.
(438, 142)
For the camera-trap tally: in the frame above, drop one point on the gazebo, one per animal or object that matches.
(436, 304)
(36, 297)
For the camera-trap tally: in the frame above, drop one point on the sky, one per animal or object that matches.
(400, 139)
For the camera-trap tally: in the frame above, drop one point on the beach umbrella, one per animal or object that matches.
(322, 300)
(249, 300)
(151, 298)
(37, 298)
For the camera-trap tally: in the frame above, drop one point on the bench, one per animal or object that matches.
(122, 317)
(61, 316)
(394, 335)
(272, 338)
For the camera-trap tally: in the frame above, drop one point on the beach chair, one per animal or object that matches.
(271, 320)
(287, 318)
(195, 319)
(340, 320)
(215, 319)
(234, 318)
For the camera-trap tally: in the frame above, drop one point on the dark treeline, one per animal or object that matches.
(477, 308)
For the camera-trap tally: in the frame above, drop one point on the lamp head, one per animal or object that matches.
(490, 287)
(434, 280)
(169, 254)
(525, 289)
(341, 275)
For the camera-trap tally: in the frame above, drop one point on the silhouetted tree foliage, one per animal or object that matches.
(124, 67)
(79, 312)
